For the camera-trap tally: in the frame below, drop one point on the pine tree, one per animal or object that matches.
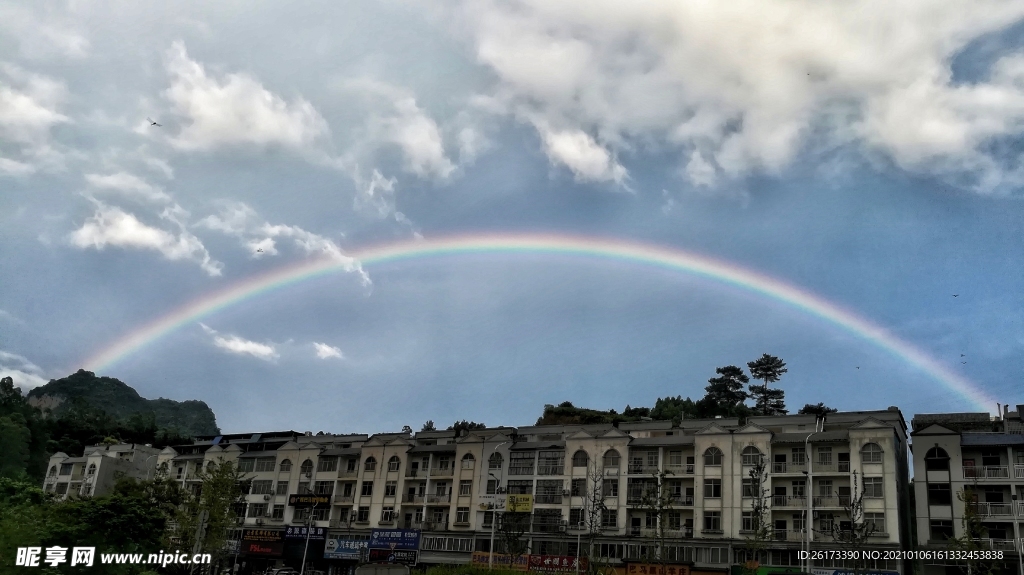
(767, 400)
(726, 390)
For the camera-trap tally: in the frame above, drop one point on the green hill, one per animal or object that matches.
(118, 399)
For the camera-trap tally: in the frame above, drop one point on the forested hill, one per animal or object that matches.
(119, 400)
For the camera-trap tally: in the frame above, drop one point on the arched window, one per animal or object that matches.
(92, 469)
(751, 455)
(871, 453)
(394, 463)
(306, 467)
(611, 458)
(713, 456)
(286, 465)
(936, 459)
(210, 467)
(370, 464)
(495, 461)
(468, 461)
(53, 471)
(580, 459)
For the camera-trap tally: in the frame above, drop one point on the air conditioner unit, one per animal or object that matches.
(266, 497)
(563, 522)
(566, 493)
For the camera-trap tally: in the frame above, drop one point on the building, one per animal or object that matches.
(969, 462)
(587, 483)
(99, 468)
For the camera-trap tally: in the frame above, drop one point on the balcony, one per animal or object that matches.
(832, 501)
(783, 467)
(987, 472)
(993, 509)
(791, 535)
(412, 498)
(789, 501)
(442, 471)
(830, 467)
(548, 498)
(997, 544)
(683, 500)
(611, 471)
(524, 470)
(546, 526)
(348, 473)
(434, 526)
(641, 469)
(344, 500)
(1020, 509)
(550, 469)
(711, 532)
(1018, 471)
(439, 498)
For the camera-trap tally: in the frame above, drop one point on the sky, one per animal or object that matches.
(153, 154)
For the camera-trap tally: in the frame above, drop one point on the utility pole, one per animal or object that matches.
(810, 488)
(309, 530)
(494, 512)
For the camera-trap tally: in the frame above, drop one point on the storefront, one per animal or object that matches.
(344, 555)
(260, 549)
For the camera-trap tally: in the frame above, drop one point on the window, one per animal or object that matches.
(798, 522)
(323, 488)
(800, 488)
(939, 494)
(92, 469)
(580, 459)
(286, 465)
(320, 514)
(520, 463)
(387, 514)
(712, 521)
(824, 456)
(826, 522)
(579, 487)
(825, 488)
(799, 455)
(611, 458)
(675, 520)
(751, 455)
(265, 463)
(367, 489)
(549, 491)
(575, 518)
(492, 486)
(936, 460)
(488, 518)
(180, 472)
(306, 467)
(363, 515)
(443, 462)
(873, 487)
(519, 487)
(304, 488)
(675, 458)
(941, 529)
(370, 464)
(462, 515)
(468, 461)
(466, 487)
(390, 488)
(747, 521)
(257, 509)
(246, 465)
(282, 488)
(609, 519)
(495, 461)
(871, 453)
(394, 463)
(262, 487)
(550, 462)
(875, 522)
(713, 456)
(748, 487)
(712, 488)
(327, 464)
(610, 487)
(62, 488)
(278, 512)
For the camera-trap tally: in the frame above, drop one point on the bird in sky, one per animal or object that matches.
(152, 123)
(956, 295)
(962, 355)
(963, 362)
(858, 367)
(259, 249)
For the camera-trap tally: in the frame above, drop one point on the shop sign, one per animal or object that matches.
(516, 503)
(344, 548)
(313, 533)
(308, 500)
(556, 563)
(263, 535)
(656, 569)
(408, 539)
(483, 559)
(404, 556)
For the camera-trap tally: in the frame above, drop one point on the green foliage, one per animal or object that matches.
(463, 426)
(428, 426)
(221, 495)
(816, 409)
(767, 400)
(727, 389)
(674, 408)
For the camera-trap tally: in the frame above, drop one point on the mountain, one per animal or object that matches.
(121, 401)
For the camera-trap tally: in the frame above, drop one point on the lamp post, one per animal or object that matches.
(148, 471)
(1018, 542)
(309, 529)
(810, 488)
(579, 533)
(494, 513)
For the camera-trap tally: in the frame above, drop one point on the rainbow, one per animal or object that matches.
(588, 247)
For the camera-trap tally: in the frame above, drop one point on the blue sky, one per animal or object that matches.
(871, 156)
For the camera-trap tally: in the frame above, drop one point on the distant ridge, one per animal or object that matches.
(191, 417)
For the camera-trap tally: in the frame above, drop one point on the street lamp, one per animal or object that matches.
(309, 530)
(579, 533)
(1018, 542)
(494, 513)
(810, 488)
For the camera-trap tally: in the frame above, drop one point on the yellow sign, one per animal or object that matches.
(482, 559)
(519, 503)
(656, 569)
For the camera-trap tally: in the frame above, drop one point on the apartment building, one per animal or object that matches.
(449, 489)
(99, 468)
(969, 462)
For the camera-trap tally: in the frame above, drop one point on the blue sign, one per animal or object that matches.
(317, 533)
(395, 539)
(344, 548)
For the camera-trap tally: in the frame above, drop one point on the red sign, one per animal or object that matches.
(656, 569)
(556, 563)
(267, 549)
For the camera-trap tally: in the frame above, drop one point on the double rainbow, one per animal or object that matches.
(585, 247)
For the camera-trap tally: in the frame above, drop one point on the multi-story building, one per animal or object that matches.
(969, 464)
(99, 468)
(589, 483)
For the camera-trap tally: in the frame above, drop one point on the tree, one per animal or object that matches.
(768, 369)
(725, 393)
(820, 409)
(675, 409)
(971, 544)
(656, 501)
(220, 499)
(515, 522)
(406, 429)
(761, 531)
(592, 516)
(463, 427)
(428, 426)
(853, 534)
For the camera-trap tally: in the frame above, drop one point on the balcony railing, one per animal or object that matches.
(1020, 509)
(681, 500)
(830, 467)
(635, 468)
(434, 525)
(1018, 471)
(438, 498)
(441, 471)
(1006, 544)
(546, 526)
(987, 472)
(992, 509)
(348, 472)
(711, 532)
(832, 501)
(523, 470)
(550, 469)
(344, 500)
(549, 498)
(789, 501)
(789, 535)
(783, 467)
(611, 471)
(412, 498)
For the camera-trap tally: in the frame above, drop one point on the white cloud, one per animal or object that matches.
(25, 374)
(240, 220)
(29, 109)
(42, 38)
(240, 346)
(324, 351)
(748, 82)
(234, 110)
(127, 184)
(110, 225)
(15, 168)
(376, 196)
